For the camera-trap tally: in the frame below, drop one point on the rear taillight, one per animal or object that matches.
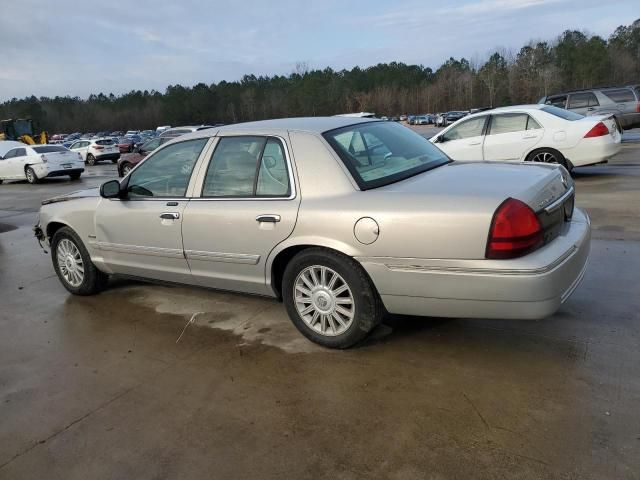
(599, 130)
(515, 230)
(43, 158)
(98, 147)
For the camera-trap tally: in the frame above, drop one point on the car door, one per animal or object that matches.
(6, 171)
(464, 140)
(16, 163)
(510, 136)
(247, 206)
(142, 234)
(81, 147)
(584, 103)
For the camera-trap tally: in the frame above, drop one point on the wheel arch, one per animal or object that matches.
(282, 255)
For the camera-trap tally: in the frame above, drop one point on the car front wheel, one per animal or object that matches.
(73, 265)
(329, 298)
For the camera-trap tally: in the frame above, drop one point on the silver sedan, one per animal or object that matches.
(343, 219)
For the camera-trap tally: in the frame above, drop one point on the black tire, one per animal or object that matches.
(547, 155)
(93, 281)
(368, 309)
(1, 180)
(125, 169)
(74, 176)
(91, 160)
(32, 178)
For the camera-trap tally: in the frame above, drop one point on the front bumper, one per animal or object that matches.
(530, 287)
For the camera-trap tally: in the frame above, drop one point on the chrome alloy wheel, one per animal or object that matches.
(70, 262)
(545, 157)
(323, 300)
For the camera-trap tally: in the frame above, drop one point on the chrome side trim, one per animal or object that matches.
(138, 250)
(483, 271)
(243, 258)
(558, 203)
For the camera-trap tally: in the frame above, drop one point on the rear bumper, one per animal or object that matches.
(47, 170)
(107, 156)
(530, 287)
(593, 150)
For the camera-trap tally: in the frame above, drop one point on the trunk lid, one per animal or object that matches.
(537, 185)
(61, 158)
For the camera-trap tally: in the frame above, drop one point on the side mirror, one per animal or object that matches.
(110, 189)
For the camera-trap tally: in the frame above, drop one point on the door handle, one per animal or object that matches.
(529, 136)
(170, 216)
(471, 144)
(270, 218)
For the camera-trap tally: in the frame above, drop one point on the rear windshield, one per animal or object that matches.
(49, 149)
(562, 113)
(380, 153)
(104, 142)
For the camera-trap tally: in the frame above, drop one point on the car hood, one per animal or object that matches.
(489, 183)
(89, 192)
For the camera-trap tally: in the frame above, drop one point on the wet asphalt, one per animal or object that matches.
(98, 387)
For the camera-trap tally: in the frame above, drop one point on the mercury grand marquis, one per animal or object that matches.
(343, 219)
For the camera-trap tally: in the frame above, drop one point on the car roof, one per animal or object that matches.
(315, 125)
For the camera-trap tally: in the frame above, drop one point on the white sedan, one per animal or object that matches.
(35, 162)
(535, 133)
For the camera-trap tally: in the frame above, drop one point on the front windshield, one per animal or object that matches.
(380, 153)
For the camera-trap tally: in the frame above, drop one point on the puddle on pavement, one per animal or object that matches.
(253, 319)
(5, 227)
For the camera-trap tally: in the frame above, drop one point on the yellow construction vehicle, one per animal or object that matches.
(21, 130)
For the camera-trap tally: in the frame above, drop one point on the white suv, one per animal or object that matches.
(93, 151)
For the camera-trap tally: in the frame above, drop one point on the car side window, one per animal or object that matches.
(582, 100)
(532, 124)
(558, 101)
(469, 128)
(273, 177)
(166, 173)
(20, 152)
(620, 95)
(247, 166)
(10, 154)
(508, 123)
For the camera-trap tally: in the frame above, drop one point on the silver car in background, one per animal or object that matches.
(341, 218)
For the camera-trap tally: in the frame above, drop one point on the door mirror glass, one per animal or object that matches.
(110, 189)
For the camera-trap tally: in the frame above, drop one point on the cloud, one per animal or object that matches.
(82, 47)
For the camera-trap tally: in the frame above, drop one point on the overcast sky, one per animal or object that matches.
(69, 47)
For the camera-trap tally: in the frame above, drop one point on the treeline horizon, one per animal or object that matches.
(574, 60)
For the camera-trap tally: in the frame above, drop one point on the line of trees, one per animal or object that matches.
(574, 60)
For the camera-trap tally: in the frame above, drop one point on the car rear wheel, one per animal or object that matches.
(31, 175)
(91, 160)
(74, 176)
(126, 168)
(329, 298)
(73, 265)
(547, 155)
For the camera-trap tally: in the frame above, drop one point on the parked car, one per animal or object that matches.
(162, 128)
(177, 131)
(127, 162)
(454, 116)
(403, 118)
(360, 229)
(35, 162)
(422, 120)
(96, 150)
(535, 133)
(621, 102)
(411, 119)
(125, 145)
(117, 133)
(130, 133)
